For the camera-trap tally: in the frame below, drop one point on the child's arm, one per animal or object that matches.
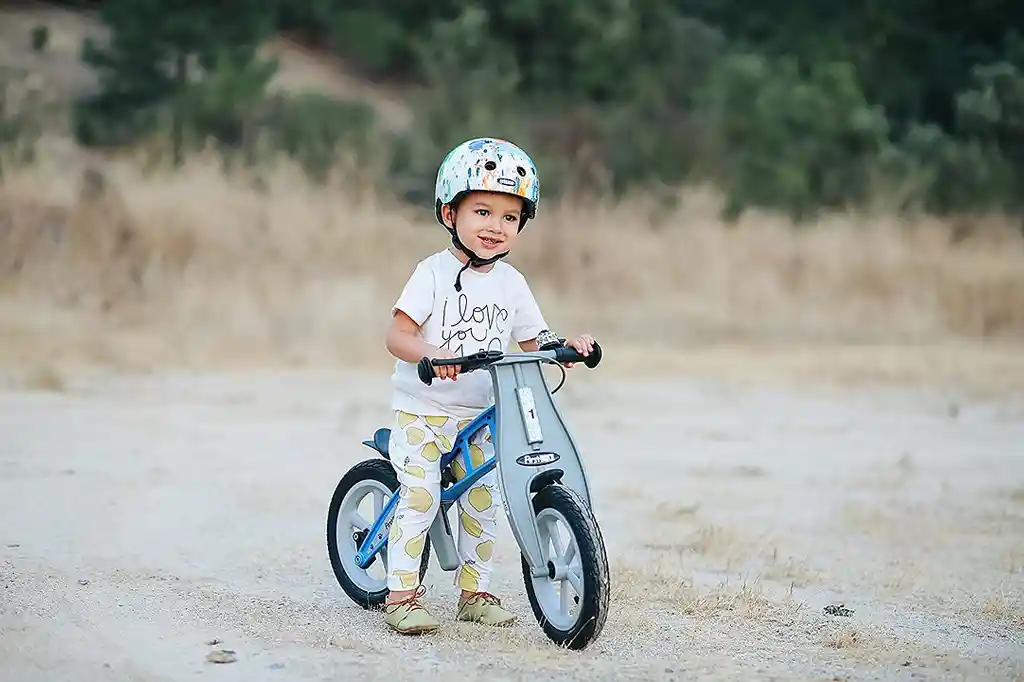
(405, 342)
(404, 337)
(529, 345)
(584, 343)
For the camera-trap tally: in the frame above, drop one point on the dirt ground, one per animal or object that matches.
(143, 516)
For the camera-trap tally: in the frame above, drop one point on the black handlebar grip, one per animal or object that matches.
(570, 354)
(425, 370)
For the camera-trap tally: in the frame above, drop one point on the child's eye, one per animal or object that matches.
(482, 211)
(512, 218)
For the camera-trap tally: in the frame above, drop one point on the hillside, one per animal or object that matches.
(59, 71)
(108, 261)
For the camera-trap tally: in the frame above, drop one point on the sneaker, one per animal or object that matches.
(409, 617)
(485, 608)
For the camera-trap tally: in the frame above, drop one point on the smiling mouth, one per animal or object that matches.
(489, 242)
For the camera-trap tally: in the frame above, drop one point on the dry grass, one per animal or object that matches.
(719, 548)
(900, 524)
(200, 269)
(707, 540)
(890, 475)
(843, 638)
(671, 512)
(102, 262)
(44, 378)
(1013, 560)
(1006, 607)
(714, 540)
(738, 471)
(747, 601)
(635, 584)
(629, 492)
(789, 570)
(672, 585)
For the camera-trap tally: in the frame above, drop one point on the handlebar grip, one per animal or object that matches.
(570, 354)
(425, 370)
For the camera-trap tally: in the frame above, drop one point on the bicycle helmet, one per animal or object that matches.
(489, 165)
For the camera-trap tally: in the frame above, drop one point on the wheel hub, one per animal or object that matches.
(557, 571)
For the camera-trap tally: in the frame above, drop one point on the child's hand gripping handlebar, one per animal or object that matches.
(480, 360)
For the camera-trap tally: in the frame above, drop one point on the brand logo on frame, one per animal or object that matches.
(537, 459)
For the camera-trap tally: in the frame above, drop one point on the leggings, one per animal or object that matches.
(416, 445)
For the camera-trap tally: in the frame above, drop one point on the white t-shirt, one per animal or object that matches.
(493, 309)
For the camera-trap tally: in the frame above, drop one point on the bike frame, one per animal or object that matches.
(376, 539)
(528, 457)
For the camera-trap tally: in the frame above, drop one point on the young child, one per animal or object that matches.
(458, 301)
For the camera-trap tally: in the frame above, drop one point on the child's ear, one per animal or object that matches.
(448, 215)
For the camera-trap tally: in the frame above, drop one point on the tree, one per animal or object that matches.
(156, 52)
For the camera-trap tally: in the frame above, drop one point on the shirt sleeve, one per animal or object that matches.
(529, 321)
(417, 298)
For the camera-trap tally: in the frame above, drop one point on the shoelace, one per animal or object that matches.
(413, 601)
(489, 599)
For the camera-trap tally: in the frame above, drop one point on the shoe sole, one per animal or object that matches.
(502, 624)
(422, 630)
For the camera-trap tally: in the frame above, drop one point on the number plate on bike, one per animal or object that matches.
(529, 411)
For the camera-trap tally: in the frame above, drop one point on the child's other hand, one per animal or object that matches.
(584, 344)
(445, 371)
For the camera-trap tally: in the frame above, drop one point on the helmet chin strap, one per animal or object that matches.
(475, 261)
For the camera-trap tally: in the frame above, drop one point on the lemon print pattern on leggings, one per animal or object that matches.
(416, 447)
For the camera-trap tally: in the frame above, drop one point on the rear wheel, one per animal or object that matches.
(571, 601)
(358, 500)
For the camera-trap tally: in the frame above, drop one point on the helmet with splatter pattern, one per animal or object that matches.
(488, 165)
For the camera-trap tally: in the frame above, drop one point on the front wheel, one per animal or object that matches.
(571, 601)
(348, 523)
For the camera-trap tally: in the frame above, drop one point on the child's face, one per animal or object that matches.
(486, 222)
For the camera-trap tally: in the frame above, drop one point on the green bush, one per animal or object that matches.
(371, 37)
(790, 140)
(790, 105)
(40, 37)
(20, 119)
(314, 130)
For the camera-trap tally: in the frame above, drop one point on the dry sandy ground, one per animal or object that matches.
(141, 516)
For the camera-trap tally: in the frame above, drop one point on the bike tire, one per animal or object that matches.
(382, 471)
(594, 566)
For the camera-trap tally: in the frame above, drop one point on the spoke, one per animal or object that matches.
(553, 534)
(544, 535)
(575, 580)
(570, 552)
(564, 601)
(378, 503)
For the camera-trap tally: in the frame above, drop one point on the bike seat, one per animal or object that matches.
(380, 440)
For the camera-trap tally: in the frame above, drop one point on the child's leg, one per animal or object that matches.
(416, 455)
(478, 525)
(478, 520)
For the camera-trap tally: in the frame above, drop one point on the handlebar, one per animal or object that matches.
(482, 359)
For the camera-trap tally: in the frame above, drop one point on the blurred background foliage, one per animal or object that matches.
(915, 106)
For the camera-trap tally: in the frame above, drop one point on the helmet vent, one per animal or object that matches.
(521, 171)
(490, 165)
